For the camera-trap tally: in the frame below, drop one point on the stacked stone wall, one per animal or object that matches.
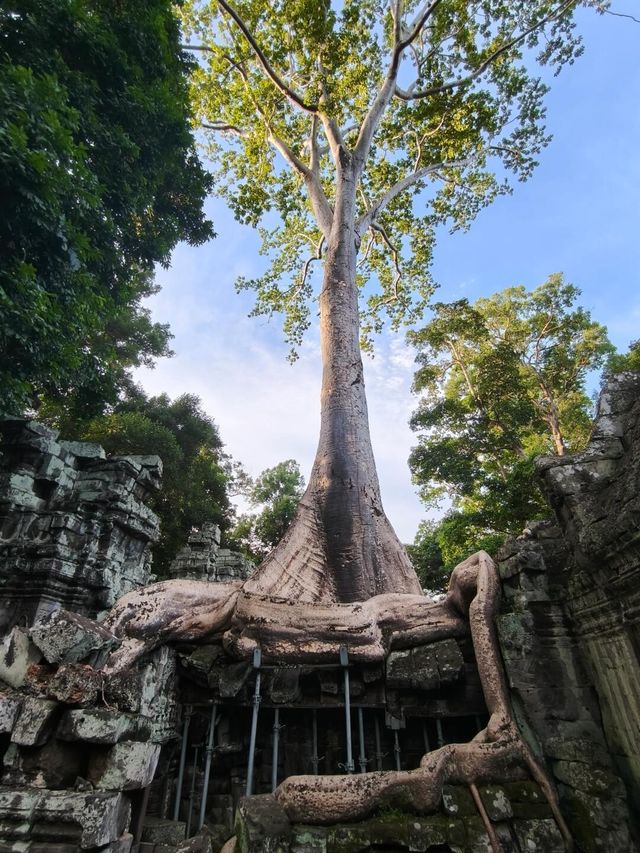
(75, 527)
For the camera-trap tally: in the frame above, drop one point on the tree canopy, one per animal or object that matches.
(99, 180)
(274, 496)
(501, 382)
(437, 102)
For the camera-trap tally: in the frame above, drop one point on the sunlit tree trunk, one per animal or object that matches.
(340, 546)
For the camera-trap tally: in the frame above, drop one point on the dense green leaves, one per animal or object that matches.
(435, 103)
(275, 494)
(501, 382)
(197, 475)
(99, 179)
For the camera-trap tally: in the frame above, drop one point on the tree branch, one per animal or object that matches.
(380, 103)
(225, 128)
(264, 62)
(403, 184)
(408, 95)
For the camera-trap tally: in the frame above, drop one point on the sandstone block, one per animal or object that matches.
(35, 722)
(158, 830)
(260, 821)
(17, 654)
(496, 802)
(101, 725)
(100, 817)
(75, 684)
(539, 836)
(65, 637)
(10, 705)
(126, 766)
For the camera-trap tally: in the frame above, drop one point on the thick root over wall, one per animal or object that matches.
(291, 630)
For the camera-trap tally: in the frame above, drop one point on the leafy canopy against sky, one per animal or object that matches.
(281, 86)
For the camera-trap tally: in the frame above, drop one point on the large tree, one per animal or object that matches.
(363, 125)
(99, 179)
(501, 381)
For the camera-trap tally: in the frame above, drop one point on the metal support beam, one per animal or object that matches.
(396, 750)
(344, 663)
(362, 758)
(315, 761)
(192, 791)
(379, 753)
(207, 766)
(183, 759)
(276, 744)
(425, 738)
(439, 732)
(257, 660)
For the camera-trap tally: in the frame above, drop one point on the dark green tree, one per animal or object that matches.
(99, 180)
(275, 495)
(197, 473)
(501, 381)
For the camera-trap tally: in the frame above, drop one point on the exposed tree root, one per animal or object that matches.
(290, 630)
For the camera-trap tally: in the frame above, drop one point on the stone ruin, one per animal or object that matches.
(190, 746)
(202, 558)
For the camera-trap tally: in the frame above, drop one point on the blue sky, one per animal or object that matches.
(578, 214)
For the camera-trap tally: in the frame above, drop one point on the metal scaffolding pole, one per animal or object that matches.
(276, 744)
(183, 759)
(439, 732)
(425, 738)
(192, 791)
(396, 749)
(257, 660)
(344, 663)
(362, 758)
(315, 761)
(207, 766)
(379, 753)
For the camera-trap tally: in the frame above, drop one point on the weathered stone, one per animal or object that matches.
(125, 767)
(539, 836)
(457, 801)
(285, 686)
(261, 824)
(100, 817)
(450, 661)
(200, 843)
(496, 802)
(75, 684)
(159, 830)
(101, 725)
(35, 722)
(425, 667)
(198, 664)
(10, 704)
(233, 678)
(17, 654)
(75, 530)
(55, 765)
(65, 637)
(121, 845)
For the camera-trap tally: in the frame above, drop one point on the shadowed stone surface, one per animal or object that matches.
(75, 528)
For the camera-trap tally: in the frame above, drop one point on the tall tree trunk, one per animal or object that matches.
(340, 546)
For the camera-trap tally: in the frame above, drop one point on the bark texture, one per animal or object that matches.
(340, 546)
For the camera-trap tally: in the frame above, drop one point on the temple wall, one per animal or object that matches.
(75, 527)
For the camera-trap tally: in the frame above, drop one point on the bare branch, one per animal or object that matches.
(380, 229)
(225, 128)
(622, 15)
(403, 184)
(408, 95)
(264, 62)
(307, 265)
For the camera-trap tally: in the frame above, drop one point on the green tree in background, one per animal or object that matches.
(276, 494)
(363, 125)
(99, 180)
(198, 475)
(501, 381)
